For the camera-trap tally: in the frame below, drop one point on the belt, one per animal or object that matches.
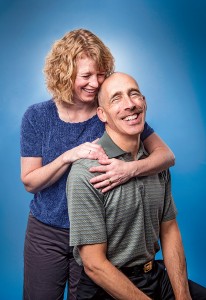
(145, 268)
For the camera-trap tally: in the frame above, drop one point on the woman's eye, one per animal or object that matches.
(101, 75)
(86, 76)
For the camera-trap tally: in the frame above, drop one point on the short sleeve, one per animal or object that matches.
(86, 208)
(31, 134)
(146, 132)
(170, 211)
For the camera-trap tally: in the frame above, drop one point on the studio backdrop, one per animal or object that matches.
(160, 43)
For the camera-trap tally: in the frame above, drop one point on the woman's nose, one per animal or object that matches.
(94, 81)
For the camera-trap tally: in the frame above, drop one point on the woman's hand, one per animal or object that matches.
(115, 171)
(36, 177)
(86, 150)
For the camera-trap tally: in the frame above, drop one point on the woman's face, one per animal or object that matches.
(88, 80)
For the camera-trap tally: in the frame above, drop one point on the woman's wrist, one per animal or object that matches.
(66, 158)
(136, 168)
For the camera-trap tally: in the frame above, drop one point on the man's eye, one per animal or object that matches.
(115, 98)
(135, 94)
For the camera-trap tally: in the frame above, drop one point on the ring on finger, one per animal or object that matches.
(90, 151)
(110, 181)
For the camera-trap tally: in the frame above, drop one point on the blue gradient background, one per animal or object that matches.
(163, 45)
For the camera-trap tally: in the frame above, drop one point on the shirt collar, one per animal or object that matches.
(112, 150)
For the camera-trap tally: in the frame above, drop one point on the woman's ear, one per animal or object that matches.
(101, 114)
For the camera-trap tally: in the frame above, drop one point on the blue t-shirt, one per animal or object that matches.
(44, 134)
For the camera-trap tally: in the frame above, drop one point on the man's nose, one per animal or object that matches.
(128, 103)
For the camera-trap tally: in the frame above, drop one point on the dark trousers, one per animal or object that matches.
(155, 284)
(48, 263)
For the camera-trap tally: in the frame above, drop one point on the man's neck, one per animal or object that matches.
(128, 143)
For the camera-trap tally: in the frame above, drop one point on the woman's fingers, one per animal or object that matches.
(100, 181)
(94, 151)
(86, 150)
(115, 172)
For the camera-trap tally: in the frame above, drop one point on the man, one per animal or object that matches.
(115, 235)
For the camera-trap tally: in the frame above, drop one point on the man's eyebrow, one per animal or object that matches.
(134, 90)
(118, 93)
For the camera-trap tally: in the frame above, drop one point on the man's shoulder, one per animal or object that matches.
(162, 178)
(79, 176)
(85, 162)
(80, 168)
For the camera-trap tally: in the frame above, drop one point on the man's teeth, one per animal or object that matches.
(129, 118)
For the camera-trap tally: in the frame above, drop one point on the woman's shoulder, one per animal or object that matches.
(45, 105)
(39, 109)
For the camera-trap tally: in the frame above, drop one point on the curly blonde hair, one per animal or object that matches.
(60, 64)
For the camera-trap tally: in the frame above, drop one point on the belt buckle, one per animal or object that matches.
(148, 267)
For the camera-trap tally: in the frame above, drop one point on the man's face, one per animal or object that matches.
(122, 107)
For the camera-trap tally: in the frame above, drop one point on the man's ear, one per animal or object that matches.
(101, 114)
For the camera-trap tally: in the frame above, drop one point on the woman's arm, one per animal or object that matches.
(161, 157)
(36, 177)
(116, 172)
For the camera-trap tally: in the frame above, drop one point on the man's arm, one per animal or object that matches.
(174, 259)
(107, 276)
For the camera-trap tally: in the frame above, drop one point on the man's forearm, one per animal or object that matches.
(175, 263)
(114, 282)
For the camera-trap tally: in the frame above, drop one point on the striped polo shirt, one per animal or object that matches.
(127, 218)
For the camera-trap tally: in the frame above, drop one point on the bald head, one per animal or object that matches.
(122, 108)
(112, 85)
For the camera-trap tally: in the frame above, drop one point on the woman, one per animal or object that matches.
(54, 134)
